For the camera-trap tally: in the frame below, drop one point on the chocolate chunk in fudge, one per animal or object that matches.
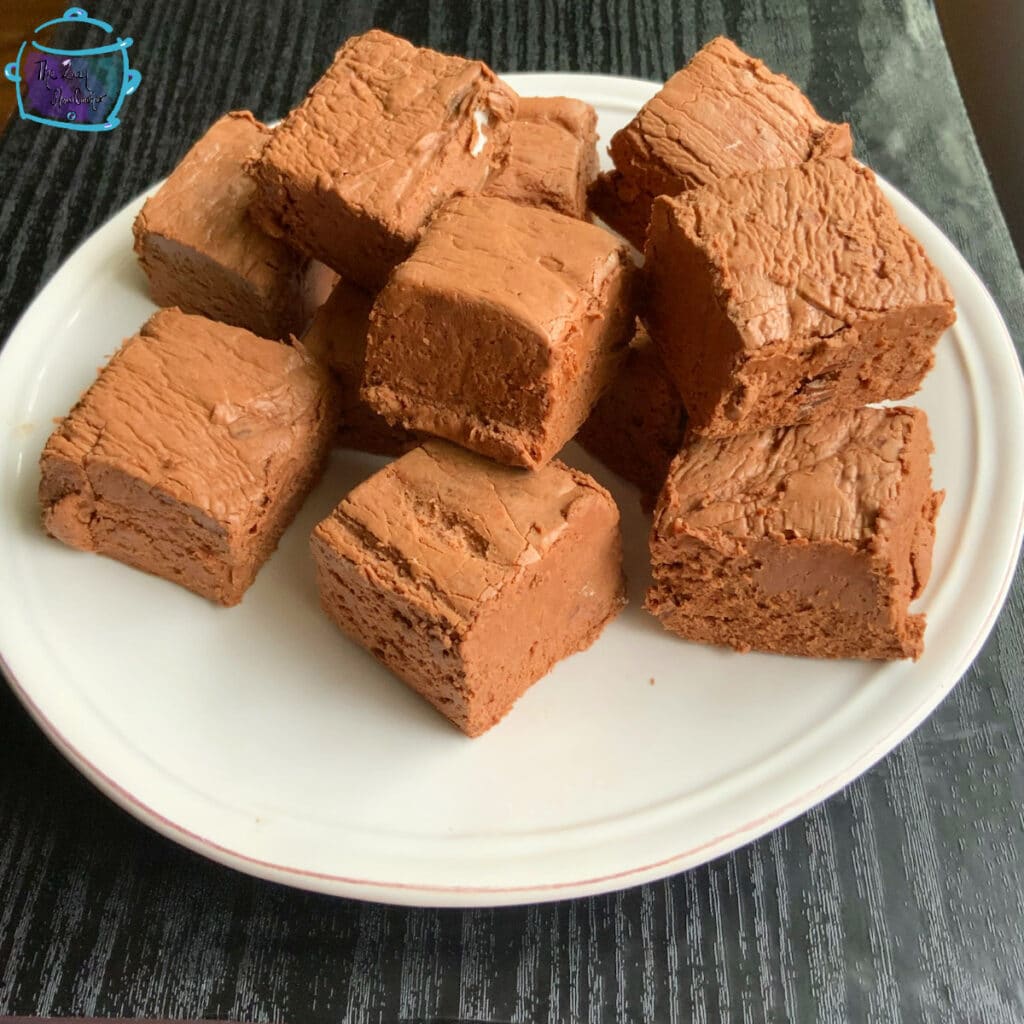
(190, 454)
(388, 134)
(502, 329)
(724, 114)
(468, 579)
(552, 156)
(785, 294)
(808, 540)
(637, 427)
(337, 336)
(203, 253)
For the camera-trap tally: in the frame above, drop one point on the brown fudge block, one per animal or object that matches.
(552, 156)
(388, 134)
(469, 580)
(724, 114)
(637, 427)
(190, 454)
(783, 294)
(502, 329)
(806, 540)
(337, 337)
(202, 252)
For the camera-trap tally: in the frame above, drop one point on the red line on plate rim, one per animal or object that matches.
(776, 817)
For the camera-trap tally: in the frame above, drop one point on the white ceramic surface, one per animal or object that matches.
(262, 738)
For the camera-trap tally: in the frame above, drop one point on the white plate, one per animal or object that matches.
(262, 738)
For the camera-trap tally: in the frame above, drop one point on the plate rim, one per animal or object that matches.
(615, 89)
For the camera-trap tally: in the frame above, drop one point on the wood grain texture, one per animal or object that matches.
(900, 899)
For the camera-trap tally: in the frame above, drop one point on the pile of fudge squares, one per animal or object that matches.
(408, 265)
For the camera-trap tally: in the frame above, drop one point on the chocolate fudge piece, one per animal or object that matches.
(385, 137)
(807, 540)
(470, 580)
(724, 114)
(337, 336)
(552, 156)
(502, 329)
(202, 252)
(637, 427)
(190, 454)
(787, 293)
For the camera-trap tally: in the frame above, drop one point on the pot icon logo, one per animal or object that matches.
(81, 89)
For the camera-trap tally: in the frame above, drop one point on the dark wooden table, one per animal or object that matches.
(900, 899)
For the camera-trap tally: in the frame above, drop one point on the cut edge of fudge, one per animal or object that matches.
(189, 468)
(202, 253)
(724, 114)
(470, 580)
(778, 296)
(556, 292)
(809, 540)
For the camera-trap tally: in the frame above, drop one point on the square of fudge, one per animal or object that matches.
(388, 134)
(784, 294)
(809, 539)
(502, 329)
(190, 454)
(637, 427)
(470, 580)
(202, 251)
(552, 156)
(337, 337)
(724, 114)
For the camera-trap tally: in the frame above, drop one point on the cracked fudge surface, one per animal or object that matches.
(190, 454)
(552, 156)
(787, 293)
(470, 580)
(203, 253)
(388, 134)
(806, 540)
(502, 329)
(337, 337)
(722, 115)
(637, 427)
